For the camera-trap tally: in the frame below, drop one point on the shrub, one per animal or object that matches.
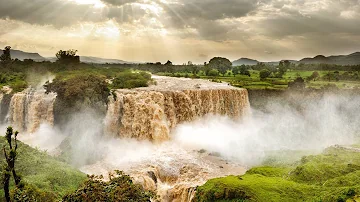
(213, 72)
(265, 73)
(131, 80)
(119, 188)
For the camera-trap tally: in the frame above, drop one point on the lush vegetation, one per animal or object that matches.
(330, 176)
(16, 73)
(120, 187)
(21, 74)
(76, 93)
(43, 177)
(131, 80)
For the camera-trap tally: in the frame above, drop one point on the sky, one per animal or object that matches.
(182, 30)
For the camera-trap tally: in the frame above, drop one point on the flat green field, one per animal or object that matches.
(254, 81)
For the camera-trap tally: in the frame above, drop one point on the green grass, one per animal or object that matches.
(43, 171)
(254, 82)
(333, 175)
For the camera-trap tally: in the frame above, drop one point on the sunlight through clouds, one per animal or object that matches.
(232, 28)
(96, 3)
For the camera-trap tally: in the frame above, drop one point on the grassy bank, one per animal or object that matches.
(333, 175)
(43, 172)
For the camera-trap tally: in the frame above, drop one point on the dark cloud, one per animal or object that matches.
(48, 12)
(239, 20)
(296, 18)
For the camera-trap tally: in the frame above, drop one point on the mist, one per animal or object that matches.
(322, 123)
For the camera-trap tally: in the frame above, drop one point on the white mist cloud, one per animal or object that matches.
(322, 123)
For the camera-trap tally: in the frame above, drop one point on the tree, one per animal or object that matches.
(194, 69)
(265, 73)
(283, 67)
(6, 56)
(314, 76)
(67, 57)
(10, 157)
(206, 69)
(235, 70)
(244, 71)
(298, 83)
(221, 64)
(329, 76)
(168, 63)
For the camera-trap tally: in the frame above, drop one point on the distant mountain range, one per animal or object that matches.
(244, 61)
(351, 59)
(21, 55)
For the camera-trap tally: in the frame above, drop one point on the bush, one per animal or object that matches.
(131, 80)
(213, 72)
(30, 193)
(298, 83)
(119, 188)
(265, 73)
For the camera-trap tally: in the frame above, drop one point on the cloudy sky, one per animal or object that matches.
(182, 30)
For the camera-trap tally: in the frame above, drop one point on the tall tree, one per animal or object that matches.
(168, 63)
(6, 56)
(67, 57)
(10, 157)
(221, 64)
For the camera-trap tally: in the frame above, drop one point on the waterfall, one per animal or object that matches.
(151, 115)
(28, 109)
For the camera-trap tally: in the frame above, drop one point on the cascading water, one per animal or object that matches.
(28, 109)
(145, 116)
(150, 114)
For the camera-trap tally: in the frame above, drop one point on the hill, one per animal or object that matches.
(21, 55)
(351, 59)
(96, 60)
(244, 61)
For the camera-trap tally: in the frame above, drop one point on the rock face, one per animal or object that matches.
(151, 113)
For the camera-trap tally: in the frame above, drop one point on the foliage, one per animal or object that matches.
(330, 176)
(298, 83)
(221, 64)
(213, 72)
(315, 75)
(42, 176)
(76, 93)
(6, 56)
(67, 57)
(119, 188)
(10, 157)
(265, 73)
(168, 63)
(242, 70)
(30, 193)
(131, 80)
